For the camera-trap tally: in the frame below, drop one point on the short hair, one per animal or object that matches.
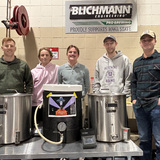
(73, 46)
(7, 39)
(45, 48)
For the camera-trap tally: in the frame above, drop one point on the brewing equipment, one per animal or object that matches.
(107, 115)
(62, 112)
(15, 117)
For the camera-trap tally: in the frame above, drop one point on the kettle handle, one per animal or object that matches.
(12, 90)
(4, 105)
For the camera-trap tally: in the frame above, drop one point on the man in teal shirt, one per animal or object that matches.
(73, 72)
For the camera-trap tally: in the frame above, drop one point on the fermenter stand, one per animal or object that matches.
(37, 148)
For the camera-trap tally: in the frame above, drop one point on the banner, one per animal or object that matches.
(101, 16)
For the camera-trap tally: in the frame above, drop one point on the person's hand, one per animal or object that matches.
(134, 101)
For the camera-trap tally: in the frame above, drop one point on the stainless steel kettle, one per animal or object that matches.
(107, 115)
(15, 117)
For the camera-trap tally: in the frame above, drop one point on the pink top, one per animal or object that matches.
(42, 75)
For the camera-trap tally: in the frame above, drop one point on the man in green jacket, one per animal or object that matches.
(15, 74)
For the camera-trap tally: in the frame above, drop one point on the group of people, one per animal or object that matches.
(113, 74)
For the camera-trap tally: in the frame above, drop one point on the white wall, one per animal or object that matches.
(148, 12)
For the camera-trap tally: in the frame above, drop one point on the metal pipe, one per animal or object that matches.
(8, 17)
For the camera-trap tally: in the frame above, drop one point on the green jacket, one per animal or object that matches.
(15, 75)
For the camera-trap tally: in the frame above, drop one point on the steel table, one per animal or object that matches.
(36, 147)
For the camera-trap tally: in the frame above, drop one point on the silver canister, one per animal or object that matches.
(15, 118)
(107, 115)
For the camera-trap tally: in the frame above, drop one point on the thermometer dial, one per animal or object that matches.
(61, 126)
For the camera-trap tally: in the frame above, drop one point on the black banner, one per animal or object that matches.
(103, 11)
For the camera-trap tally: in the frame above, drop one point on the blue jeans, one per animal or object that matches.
(148, 123)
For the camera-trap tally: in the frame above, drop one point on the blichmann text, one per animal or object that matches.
(103, 11)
